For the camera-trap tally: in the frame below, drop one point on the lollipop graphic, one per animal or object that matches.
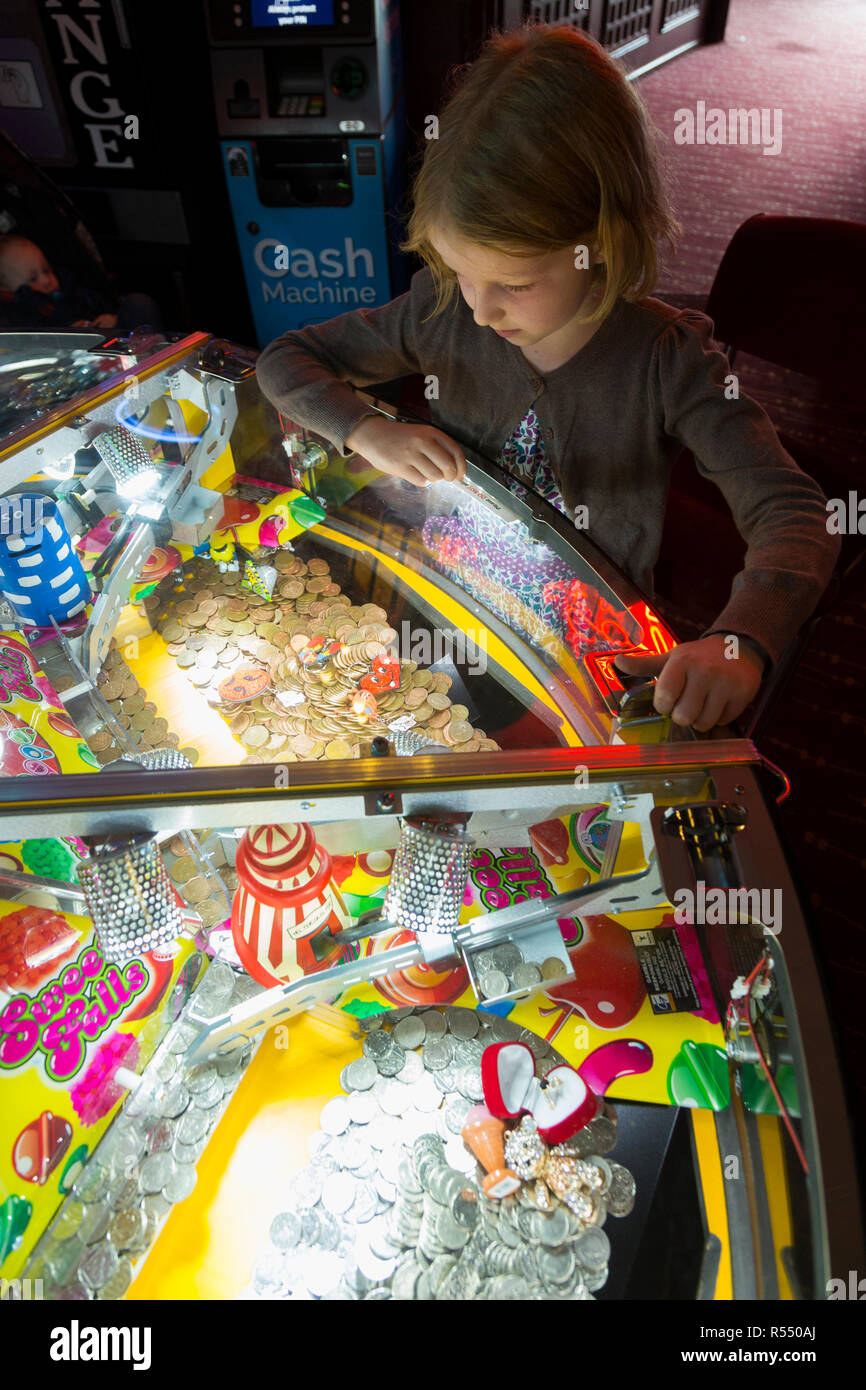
(108, 1076)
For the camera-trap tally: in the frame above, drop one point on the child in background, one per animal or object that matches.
(32, 296)
(541, 202)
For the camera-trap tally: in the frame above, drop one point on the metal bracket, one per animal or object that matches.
(234, 1029)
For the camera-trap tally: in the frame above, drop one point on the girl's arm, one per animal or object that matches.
(779, 511)
(303, 372)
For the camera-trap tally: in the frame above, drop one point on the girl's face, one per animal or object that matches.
(525, 300)
(24, 264)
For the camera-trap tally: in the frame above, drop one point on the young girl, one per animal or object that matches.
(537, 211)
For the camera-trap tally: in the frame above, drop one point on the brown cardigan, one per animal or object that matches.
(614, 418)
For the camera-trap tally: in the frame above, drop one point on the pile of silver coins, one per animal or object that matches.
(391, 1204)
(503, 970)
(145, 1164)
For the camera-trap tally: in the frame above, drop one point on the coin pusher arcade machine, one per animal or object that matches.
(310, 111)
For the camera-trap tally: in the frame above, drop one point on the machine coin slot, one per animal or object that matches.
(240, 105)
(303, 173)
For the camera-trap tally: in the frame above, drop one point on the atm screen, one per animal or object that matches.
(268, 13)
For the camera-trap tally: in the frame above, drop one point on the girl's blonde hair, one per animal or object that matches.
(544, 144)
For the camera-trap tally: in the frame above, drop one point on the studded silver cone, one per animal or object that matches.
(429, 875)
(129, 898)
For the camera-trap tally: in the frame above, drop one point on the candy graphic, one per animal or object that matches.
(40, 1147)
(73, 1169)
(159, 968)
(418, 984)
(62, 724)
(590, 830)
(159, 563)
(608, 988)
(15, 1214)
(23, 751)
(100, 1088)
(237, 512)
(698, 1077)
(51, 858)
(606, 1064)
(550, 841)
(483, 1134)
(33, 942)
(377, 863)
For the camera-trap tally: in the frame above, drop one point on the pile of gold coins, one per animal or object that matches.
(128, 701)
(215, 629)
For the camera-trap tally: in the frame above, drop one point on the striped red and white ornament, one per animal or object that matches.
(285, 897)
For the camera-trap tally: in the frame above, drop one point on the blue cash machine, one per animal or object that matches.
(311, 116)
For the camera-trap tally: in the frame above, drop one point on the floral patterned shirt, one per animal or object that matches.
(523, 457)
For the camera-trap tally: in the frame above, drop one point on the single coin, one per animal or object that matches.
(507, 957)
(460, 730)
(180, 1184)
(98, 1266)
(156, 1170)
(184, 869)
(434, 1024)
(255, 737)
(361, 1074)
(493, 984)
(117, 1284)
(337, 749)
(285, 1230)
(553, 968)
(334, 1118)
(410, 1032)
(463, 1023)
(197, 889)
(211, 911)
(127, 1228)
(438, 1053)
(526, 975)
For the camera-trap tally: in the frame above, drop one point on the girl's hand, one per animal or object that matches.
(699, 683)
(419, 453)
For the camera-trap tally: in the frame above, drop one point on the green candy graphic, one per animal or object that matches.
(15, 1213)
(698, 1077)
